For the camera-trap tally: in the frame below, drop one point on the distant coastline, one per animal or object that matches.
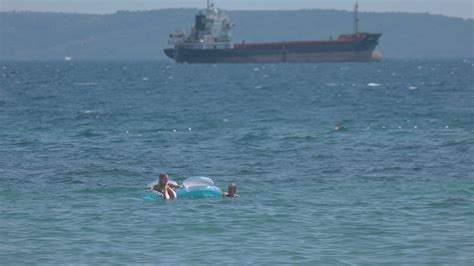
(235, 10)
(142, 35)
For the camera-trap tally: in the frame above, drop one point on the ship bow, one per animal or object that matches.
(170, 52)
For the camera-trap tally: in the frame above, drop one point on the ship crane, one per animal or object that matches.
(356, 19)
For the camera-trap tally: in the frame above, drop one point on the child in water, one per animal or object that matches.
(165, 187)
(231, 191)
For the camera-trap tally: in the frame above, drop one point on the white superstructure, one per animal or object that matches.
(212, 30)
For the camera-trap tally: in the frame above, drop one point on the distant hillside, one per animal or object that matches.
(143, 35)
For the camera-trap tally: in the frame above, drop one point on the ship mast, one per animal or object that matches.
(356, 18)
(209, 5)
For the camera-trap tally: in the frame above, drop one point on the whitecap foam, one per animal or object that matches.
(89, 83)
(373, 84)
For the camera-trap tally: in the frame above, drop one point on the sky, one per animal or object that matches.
(452, 8)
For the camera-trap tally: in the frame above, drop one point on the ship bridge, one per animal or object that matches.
(212, 30)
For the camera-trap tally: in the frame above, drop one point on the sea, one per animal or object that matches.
(335, 164)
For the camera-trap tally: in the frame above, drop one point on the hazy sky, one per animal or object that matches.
(455, 8)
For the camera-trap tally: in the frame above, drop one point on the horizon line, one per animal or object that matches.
(231, 10)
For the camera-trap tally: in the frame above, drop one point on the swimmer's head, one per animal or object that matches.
(232, 189)
(163, 178)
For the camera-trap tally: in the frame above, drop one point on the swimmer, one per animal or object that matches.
(165, 187)
(231, 191)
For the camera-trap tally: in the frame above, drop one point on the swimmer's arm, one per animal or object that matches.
(176, 186)
(157, 188)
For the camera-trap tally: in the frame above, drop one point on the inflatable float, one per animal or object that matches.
(197, 187)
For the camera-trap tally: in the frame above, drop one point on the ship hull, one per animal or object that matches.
(347, 48)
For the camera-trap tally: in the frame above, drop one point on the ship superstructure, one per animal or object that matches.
(212, 30)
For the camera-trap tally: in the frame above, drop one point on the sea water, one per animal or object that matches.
(351, 163)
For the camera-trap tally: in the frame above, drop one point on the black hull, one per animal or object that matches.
(358, 49)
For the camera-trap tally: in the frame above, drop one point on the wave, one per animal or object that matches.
(109, 190)
(451, 202)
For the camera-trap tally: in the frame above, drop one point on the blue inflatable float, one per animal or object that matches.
(197, 187)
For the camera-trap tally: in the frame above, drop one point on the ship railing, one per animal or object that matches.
(207, 46)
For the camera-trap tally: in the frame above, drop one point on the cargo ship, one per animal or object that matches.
(210, 41)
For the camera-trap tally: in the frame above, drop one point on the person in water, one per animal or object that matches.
(165, 187)
(231, 191)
